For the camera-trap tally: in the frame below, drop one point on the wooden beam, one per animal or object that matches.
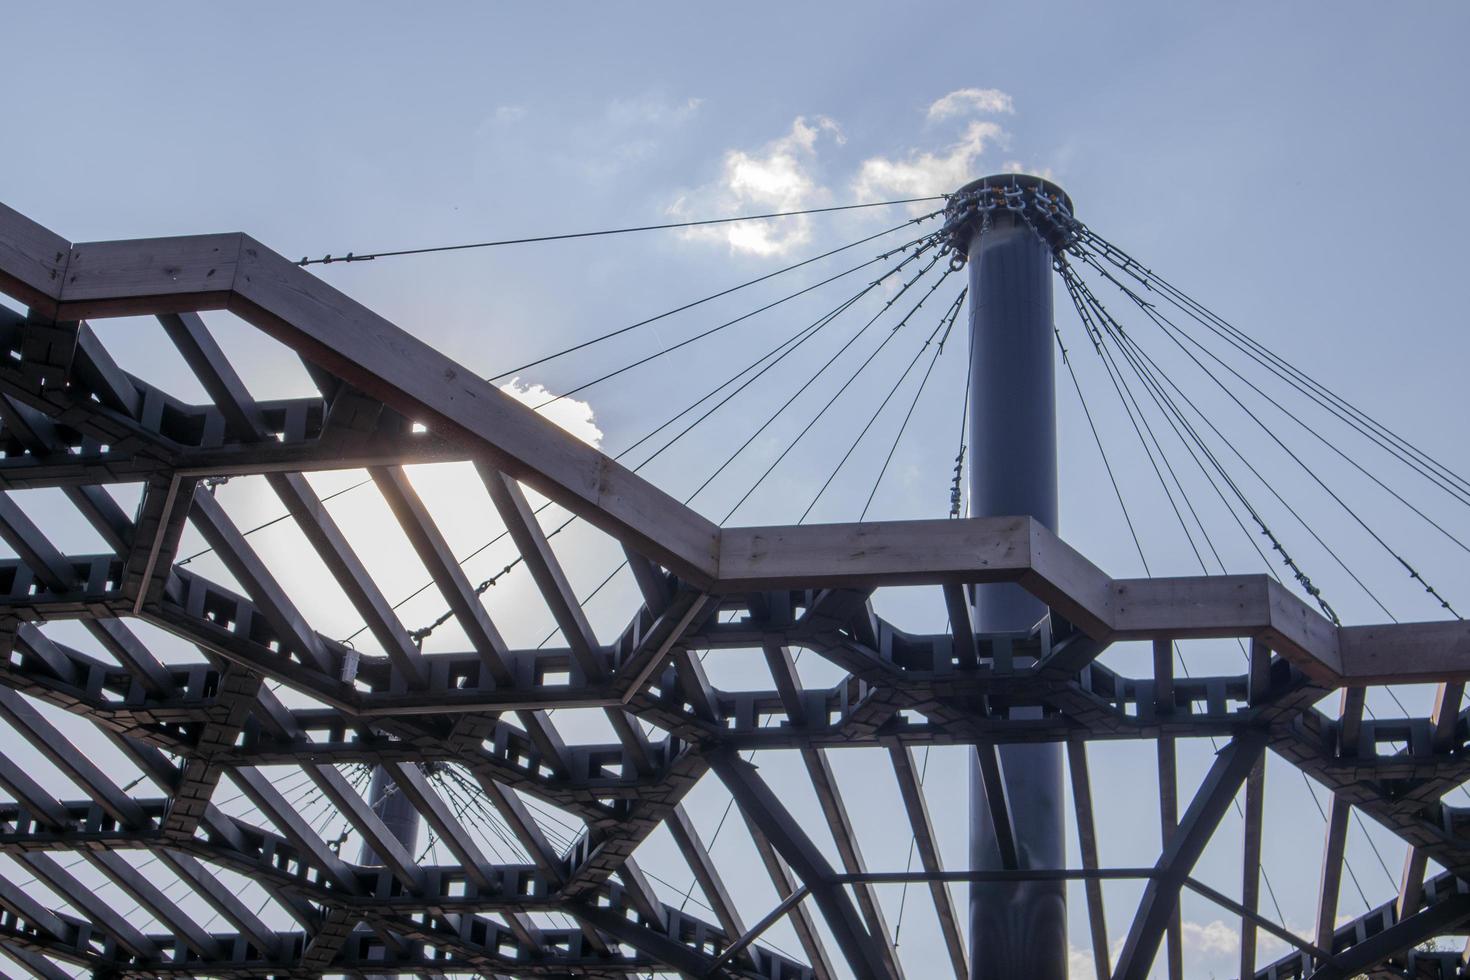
(522, 823)
(1087, 845)
(1258, 674)
(354, 343)
(433, 549)
(1168, 826)
(235, 553)
(23, 905)
(844, 835)
(685, 959)
(1339, 814)
(989, 549)
(94, 367)
(1411, 883)
(1226, 606)
(1334, 844)
(802, 919)
(788, 683)
(123, 644)
(697, 856)
(43, 806)
(1444, 718)
(1163, 655)
(341, 560)
(33, 643)
(151, 898)
(219, 897)
(655, 586)
(18, 531)
(33, 261)
(961, 624)
(1250, 888)
(1405, 653)
(34, 963)
(994, 782)
(391, 852)
(79, 768)
(926, 842)
(764, 810)
(985, 550)
(259, 789)
(444, 569)
(541, 562)
(103, 513)
(85, 900)
(411, 782)
(1230, 905)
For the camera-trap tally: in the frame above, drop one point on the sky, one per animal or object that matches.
(1290, 165)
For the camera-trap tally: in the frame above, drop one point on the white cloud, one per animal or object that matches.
(509, 113)
(783, 175)
(923, 172)
(1080, 964)
(970, 101)
(571, 414)
(1208, 948)
(1210, 938)
(919, 173)
(780, 176)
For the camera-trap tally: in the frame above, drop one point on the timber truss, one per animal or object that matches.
(266, 689)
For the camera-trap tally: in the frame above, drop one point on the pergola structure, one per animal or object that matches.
(70, 418)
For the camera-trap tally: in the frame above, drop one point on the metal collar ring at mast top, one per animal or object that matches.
(1039, 201)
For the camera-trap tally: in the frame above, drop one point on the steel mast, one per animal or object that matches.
(1002, 225)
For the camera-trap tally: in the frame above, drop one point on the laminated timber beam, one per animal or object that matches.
(235, 272)
(182, 275)
(1122, 707)
(97, 581)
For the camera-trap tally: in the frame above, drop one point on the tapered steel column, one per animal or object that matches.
(397, 812)
(1017, 929)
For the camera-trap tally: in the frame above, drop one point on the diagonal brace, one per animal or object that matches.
(1161, 895)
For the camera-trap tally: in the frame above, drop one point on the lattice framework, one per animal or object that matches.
(70, 418)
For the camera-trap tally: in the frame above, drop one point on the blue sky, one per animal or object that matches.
(1295, 166)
